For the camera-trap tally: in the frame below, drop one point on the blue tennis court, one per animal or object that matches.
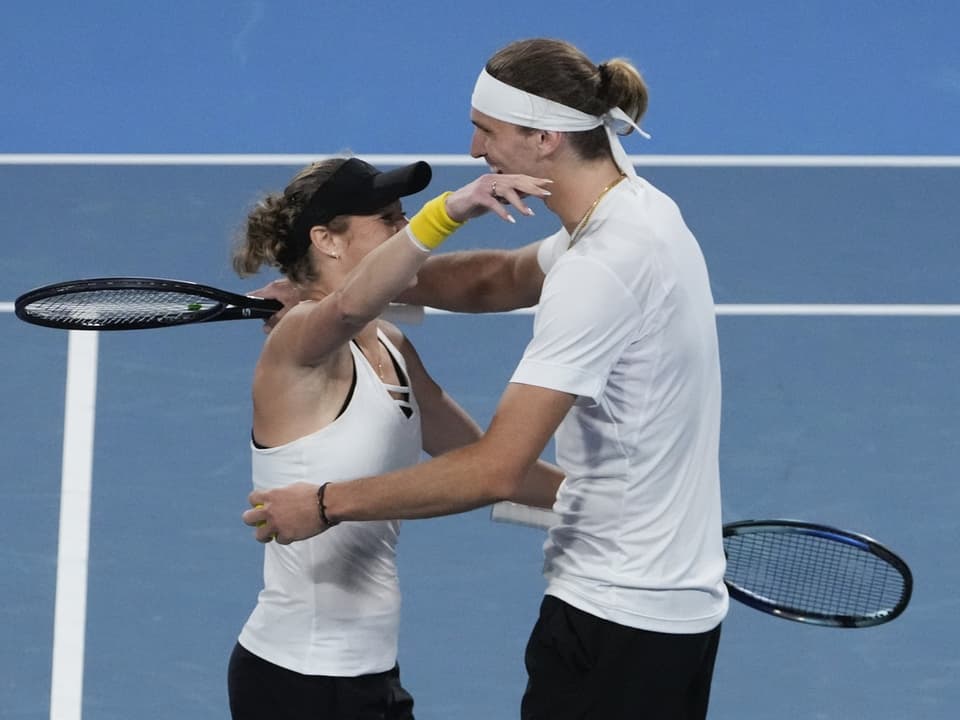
(844, 419)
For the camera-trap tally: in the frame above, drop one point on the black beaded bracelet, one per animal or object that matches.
(322, 508)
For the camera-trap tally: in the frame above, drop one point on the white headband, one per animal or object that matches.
(518, 107)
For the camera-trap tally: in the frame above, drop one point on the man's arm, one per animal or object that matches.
(469, 281)
(479, 281)
(495, 467)
(447, 426)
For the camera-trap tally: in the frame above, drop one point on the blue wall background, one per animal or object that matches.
(818, 77)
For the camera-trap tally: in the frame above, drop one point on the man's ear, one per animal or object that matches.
(327, 242)
(548, 141)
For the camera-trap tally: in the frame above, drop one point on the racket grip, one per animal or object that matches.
(403, 314)
(519, 514)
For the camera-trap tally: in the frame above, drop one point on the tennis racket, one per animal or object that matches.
(137, 303)
(796, 570)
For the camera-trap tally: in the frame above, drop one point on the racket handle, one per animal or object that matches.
(403, 314)
(519, 514)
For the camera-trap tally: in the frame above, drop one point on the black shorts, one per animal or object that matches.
(260, 690)
(582, 667)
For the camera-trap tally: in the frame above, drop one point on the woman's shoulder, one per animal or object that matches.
(393, 333)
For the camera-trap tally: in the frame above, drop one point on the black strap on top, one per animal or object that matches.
(404, 382)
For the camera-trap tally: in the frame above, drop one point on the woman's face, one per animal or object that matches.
(366, 232)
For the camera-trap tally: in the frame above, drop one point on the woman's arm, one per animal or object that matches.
(319, 327)
(479, 281)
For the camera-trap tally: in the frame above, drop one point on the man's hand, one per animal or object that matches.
(282, 290)
(285, 514)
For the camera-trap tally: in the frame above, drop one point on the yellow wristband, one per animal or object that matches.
(431, 226)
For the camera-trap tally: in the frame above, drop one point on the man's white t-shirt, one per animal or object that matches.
(626, 322)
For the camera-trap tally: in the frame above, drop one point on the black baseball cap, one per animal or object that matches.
(358, 188)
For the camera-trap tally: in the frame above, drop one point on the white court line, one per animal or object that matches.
(300, 159)
(836, 310)
(70, 609)
(841, 310)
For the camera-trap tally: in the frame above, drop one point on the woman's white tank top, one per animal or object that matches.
(330, 605)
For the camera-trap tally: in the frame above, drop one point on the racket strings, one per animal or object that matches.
(121, 306)
(812, 574)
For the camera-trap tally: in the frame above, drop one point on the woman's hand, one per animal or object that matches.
(284, 291)
(493, 192)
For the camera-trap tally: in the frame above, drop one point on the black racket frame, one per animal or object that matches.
(231, 306)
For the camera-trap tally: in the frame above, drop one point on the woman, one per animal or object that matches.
(339, 393)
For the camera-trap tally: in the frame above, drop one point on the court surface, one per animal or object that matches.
(849, 420)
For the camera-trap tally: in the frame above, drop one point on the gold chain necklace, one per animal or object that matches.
(379, 358)
(589, 212)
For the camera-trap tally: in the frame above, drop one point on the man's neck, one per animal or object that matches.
(576, 189)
